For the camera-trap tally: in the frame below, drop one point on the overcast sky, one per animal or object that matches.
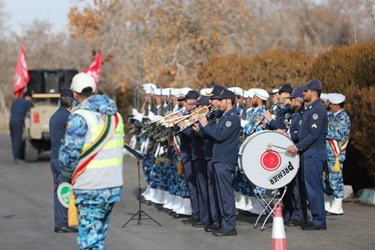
(23, 12)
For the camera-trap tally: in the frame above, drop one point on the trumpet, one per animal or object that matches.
(161, 120)
(191, 123)
(184, 119)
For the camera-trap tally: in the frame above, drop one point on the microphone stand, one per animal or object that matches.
(140, 211)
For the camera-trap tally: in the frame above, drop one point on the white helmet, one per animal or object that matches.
(82, 81)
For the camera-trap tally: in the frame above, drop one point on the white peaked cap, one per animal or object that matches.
(205, 91)
(157, 92)
(262, 94)
(175, 92)
(336, 98)
(324, 97)
(246, 94)
(149, 88)
(166, 91)
(236, 90)
(184, 91)
(275, 91)
(251, 92)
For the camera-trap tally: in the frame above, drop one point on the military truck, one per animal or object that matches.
(45, 86)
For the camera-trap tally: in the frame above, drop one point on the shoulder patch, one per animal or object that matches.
(315, 116)
(228, 124)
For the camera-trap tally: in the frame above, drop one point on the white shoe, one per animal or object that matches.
(328, 200)
(336, 207)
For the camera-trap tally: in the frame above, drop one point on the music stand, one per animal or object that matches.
(140, 211)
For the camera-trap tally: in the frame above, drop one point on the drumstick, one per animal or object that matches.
(270, 145)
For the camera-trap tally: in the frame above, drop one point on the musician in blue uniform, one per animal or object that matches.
(57, 127)
(337, 140)
(284, 113)
(17, 117)
(208, 145)
(294, 213)
(199, 163)
(226, 135)
(186, 158)
(311, 144)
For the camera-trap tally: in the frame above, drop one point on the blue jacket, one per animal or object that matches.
(208, 141)
(19, 109)
(197, 144)
(57, 127)
(226, 135)
(281, 121)
(295, 123)
(313, 129)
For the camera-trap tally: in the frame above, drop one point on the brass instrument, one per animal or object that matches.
(191, 123)
(162, 119)
(184, 119)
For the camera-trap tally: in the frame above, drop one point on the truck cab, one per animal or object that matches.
(45, 86)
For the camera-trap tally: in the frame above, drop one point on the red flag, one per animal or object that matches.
(22, 77)
(94, 68)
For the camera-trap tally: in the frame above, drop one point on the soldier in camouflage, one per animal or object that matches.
(336, 141)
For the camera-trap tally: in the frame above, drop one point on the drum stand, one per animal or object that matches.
(267, 203)
(140, 211)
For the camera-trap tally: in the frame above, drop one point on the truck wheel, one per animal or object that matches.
(31, 153)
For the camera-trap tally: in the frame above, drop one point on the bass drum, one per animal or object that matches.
(263, 159)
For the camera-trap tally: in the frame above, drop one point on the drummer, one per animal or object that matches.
(293, 212)
(311, 144)
(226, 133)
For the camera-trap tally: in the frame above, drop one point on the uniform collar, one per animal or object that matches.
(314, 103)
(336, 113)
(229, 111)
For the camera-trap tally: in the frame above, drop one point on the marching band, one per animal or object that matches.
(191, 143)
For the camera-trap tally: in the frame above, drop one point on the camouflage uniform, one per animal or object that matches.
(94, 205)
(338, 131)
(255, 115)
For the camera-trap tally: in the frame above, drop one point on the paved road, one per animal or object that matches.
(26, 219)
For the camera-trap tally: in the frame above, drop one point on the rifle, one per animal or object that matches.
(170, 101)
(161, 104)
(243, 106)
(153, 104)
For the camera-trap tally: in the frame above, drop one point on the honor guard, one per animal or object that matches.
(311, 145)
(337, 140)
(239, 99)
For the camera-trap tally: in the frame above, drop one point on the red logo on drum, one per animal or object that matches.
(270, 160)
